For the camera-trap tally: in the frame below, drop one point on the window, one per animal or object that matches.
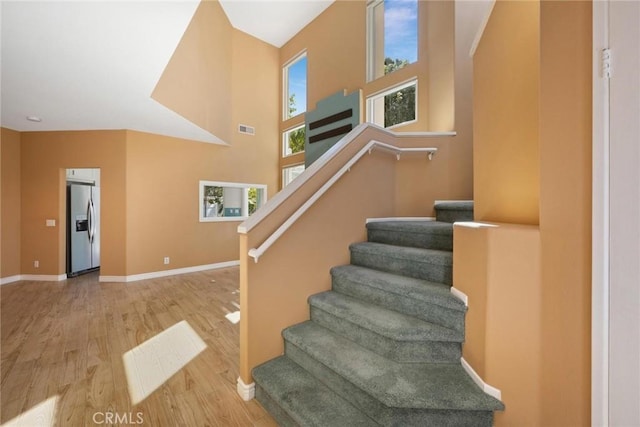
(291, 173)
(392, 36)
(226, 201)
(395, 106)
(293, 141)
(295, 86)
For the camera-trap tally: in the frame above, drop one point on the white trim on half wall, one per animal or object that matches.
(246, 391)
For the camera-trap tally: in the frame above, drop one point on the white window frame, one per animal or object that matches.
(245, 199)
(374, 97)
(285, 140)
(285, 84)
(371, 45)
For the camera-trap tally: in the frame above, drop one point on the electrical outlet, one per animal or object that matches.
(166, 260)
(36, 264)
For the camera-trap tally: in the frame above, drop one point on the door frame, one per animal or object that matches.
(600, 223)
(614, 277)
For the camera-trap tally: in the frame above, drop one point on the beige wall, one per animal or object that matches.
(274, 291)
(44, 158)
(150, 182)
(335, 43)
(172, 167)
(498, 267)
(10, 244)
(506, 99)
(211, 80)
(255, 103)
(550, 278)
(298, 264)
(565, 210)
(197, 80)
(162, 199)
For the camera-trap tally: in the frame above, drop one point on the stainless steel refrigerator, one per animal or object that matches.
(83, 228)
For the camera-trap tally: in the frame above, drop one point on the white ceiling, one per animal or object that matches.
(274, 21)
(93, 64)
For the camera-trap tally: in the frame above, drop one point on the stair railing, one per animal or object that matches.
(274, 291)
(282, 196)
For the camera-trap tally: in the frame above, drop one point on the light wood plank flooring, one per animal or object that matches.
(67, 339)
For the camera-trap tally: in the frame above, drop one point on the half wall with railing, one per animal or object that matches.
(288, 246)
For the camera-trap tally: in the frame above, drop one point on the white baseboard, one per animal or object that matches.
(10, 279)
(491, 391)
(44, 277)
(165, 273)
(246, 391)
(460, 295)
(401, 218)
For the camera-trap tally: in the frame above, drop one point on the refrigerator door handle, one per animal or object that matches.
(90, 213)
(93, 221)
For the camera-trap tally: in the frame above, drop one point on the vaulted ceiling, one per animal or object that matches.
(93, 65)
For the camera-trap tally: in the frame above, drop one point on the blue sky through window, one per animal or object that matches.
(298, 85)
(401, 29)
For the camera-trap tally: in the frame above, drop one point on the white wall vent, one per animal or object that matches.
(249, 130)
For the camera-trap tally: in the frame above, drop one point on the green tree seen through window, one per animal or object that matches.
(400, 106)
(295, 138)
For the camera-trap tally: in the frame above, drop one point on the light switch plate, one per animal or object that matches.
(51, 223)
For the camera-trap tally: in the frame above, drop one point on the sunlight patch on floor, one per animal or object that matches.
(153, 362)
(233, 317)
(41, 415)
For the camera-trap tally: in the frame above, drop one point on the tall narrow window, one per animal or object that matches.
(290, 173)
(392, 36)
(393, 107)
(295, 86)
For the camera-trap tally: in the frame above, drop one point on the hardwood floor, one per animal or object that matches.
(66, 341)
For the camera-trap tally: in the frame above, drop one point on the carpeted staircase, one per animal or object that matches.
(382, 347)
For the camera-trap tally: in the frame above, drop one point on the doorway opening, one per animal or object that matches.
(83, 221)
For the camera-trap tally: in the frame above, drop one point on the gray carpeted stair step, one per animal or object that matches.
(455, 210)
(400, 394)
(294, 397)
(388, 333)
(432, 302)
(427, 264)
(416, 234)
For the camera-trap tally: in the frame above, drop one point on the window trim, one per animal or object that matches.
(285, 84)
(395, 88)
(371, 45)
(245, 194)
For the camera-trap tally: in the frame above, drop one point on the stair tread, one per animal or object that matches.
(418, 289)
(416, 234)
(434, 227)
(441, 386)
(388, 323)
(305, 398)
(433, 256)
(455, 205)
